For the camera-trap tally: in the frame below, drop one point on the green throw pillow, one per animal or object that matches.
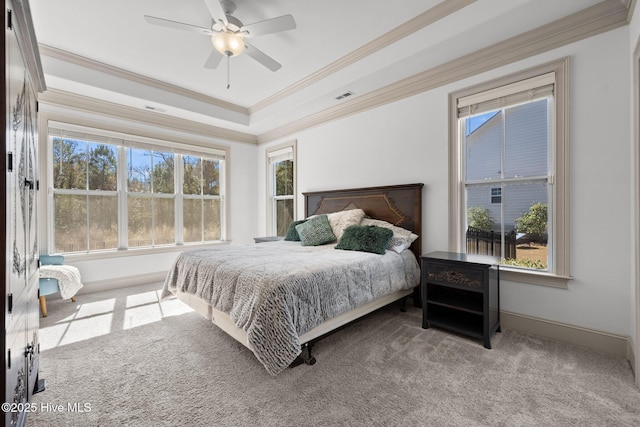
(292, 233)
(365, 238)
(315, 231)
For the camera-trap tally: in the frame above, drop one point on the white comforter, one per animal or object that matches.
(277, 291)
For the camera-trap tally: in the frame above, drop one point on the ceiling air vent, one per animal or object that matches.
(156, 109)
(344, 95)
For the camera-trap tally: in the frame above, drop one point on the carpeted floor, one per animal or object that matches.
(123, 359)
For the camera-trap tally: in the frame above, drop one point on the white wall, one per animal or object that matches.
(634, 261)
(406, 142)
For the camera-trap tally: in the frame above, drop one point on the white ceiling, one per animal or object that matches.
(115, 33)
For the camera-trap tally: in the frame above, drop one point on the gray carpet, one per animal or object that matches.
(127, 360)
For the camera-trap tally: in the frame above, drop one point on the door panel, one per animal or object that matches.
(32, 350)
(18, 187)
(17, 389)
(17, 208)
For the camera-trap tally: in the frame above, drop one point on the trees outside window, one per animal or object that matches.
(281, 179)
(201, 190)
(150, 197)
(85, 200)
(108, 195)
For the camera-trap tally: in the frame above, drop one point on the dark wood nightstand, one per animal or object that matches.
(267, 239)
(461, 293)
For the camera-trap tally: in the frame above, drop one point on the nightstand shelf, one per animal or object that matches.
(461, 293)
(464, 301)
(462, 322)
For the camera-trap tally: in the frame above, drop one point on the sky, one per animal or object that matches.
(475, 122)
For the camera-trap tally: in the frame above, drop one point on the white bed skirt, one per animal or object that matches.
(224, 322)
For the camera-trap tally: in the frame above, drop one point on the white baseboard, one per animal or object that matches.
(631, 356)
(618, 345)
(123, 282)
(117, 283)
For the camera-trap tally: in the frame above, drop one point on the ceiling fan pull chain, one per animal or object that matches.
(228, 77)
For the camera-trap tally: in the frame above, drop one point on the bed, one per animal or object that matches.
(279, 298)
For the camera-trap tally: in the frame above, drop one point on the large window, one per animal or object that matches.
(111, 192)
(281, 181)
(508, 182)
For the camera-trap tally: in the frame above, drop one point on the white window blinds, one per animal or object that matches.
(71, 131)
(280, 155)
(504, 96)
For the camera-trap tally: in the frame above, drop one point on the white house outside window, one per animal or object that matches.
(281, 181)
(509, 183)
(109, 192)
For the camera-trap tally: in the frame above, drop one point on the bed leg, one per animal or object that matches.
(403, 304)
(304, 357)
(308, 358)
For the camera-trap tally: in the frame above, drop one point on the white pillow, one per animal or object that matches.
(339, 221)
(401, 239)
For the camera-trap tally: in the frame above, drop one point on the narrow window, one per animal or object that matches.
(281, 179)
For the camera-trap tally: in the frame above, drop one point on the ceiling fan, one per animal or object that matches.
(228, 34)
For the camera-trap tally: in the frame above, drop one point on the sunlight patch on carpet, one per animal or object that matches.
(64, 333)
(71, 323)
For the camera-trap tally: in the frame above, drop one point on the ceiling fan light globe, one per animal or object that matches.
(228, 43)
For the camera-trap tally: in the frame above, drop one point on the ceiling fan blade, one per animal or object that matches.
(262, 57)
(269, 26)
(178, 25)
(214, 60)
(216, 10)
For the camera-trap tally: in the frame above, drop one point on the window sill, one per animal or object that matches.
(534, 277)
(70, 257)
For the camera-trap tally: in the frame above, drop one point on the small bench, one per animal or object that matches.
(48, 285)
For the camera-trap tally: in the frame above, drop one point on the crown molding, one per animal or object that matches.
(105, 108)
(425, 19)
(26, 35)
(627, 3)
(602, 17)
(419, 22)
(631, 6)
(91, 64)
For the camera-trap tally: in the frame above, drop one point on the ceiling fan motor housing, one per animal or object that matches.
(228, 40)
(233, 23)
(228, 6)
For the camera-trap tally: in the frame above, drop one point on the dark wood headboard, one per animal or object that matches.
(400, 205)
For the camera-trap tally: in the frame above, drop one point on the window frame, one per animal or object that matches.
(559, 165)
(179, 146)
(202, 197)
(272, 198)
